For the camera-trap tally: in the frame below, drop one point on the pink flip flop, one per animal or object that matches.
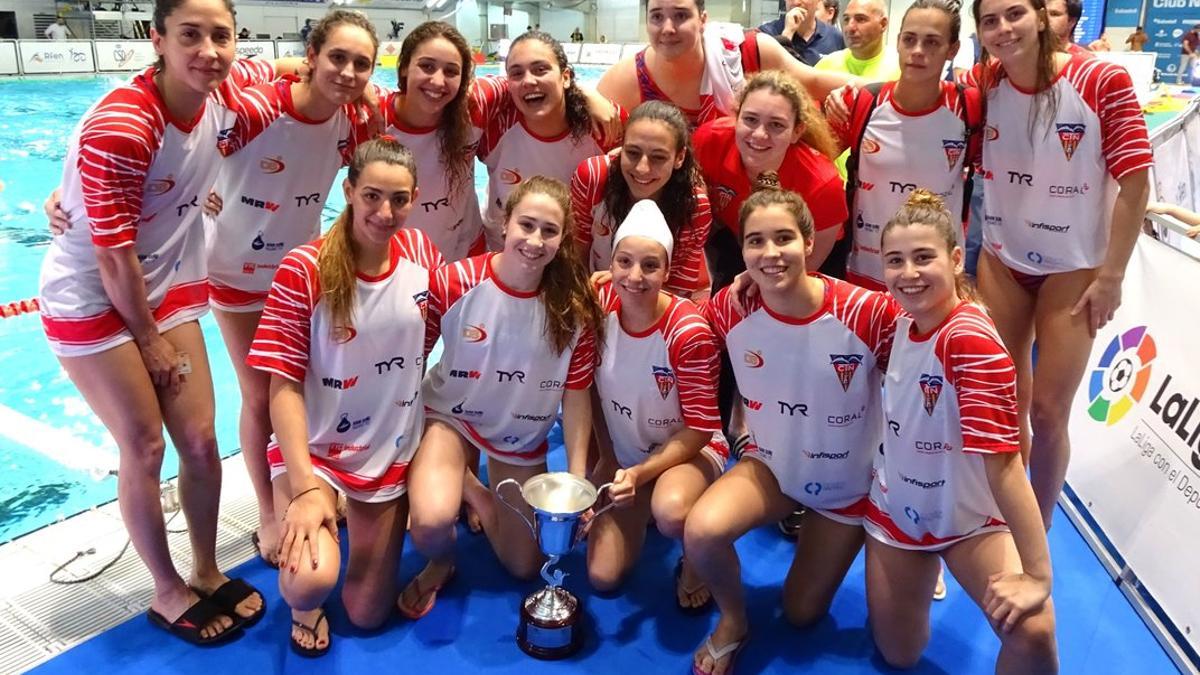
(433, 593)
(732, 650)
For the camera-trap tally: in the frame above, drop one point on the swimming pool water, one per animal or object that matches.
(43, 476)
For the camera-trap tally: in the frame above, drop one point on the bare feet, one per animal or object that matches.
(721, 642)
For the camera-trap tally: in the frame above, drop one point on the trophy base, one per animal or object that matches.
(550, 638)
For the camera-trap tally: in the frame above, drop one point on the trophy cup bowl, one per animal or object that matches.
(551, 620)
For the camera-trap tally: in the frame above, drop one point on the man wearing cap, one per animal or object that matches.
(1187, 55)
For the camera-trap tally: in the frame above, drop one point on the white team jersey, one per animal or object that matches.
(900, 152)
(512, 153)
(499, 381)
(654, 383)
(132, 177)
(1049, 194)
(362, 386)
(817, 442)
(949, 397)
(452, 221)
(274, 179)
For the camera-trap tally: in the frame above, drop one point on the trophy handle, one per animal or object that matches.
(610, 502)
(515, 509)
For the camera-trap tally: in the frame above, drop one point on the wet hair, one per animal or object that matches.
(335, 262)
(925, 208)
(678, 198)
(1045, 101)
(337, 17)
(950, 8)
(766, 195)
(165, 8)
(816, 130)
(565, 289)
(454, 129)
(579, 122)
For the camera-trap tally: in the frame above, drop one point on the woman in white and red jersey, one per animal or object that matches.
(655, 162)
(535, 122)
(289, 139)
(912, 133)
(660, 433)
(520, 329)
(342, 339)
(430, 114)
(806, 359)
(948, 480)
(1065, 165)
(121, 292)
(777, 132)
(701, 68)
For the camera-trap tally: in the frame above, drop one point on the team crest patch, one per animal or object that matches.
(845, 365)
(422, 300)
(724, 196)
(1070, 135)
(931, 388)
(954, 150)
(665, 378)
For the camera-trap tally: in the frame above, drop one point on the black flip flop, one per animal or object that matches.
(258, 551)
(188, 626)
(691, 611)
(311, 652)
(230, 595)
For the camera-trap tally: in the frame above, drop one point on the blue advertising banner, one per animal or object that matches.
(1121, 13)
(1088, 28)
(1166, 22)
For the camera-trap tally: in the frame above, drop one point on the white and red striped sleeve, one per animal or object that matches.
(492, 112)
(416, 247)
(255, 108)
(117, 145)
(687, 257)
(871, 315)
(722, 316)
(982, 373)
(244, 73)
(692, 351)
(1108, 91)
(587, 189)
(282, 342)
(582, 367)
(607, 297)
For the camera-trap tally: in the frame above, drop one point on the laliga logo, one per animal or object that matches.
(1121, 377)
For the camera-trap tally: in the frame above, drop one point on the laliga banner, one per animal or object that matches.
(1135, 430)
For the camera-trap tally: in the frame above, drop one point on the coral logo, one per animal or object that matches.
(1122, 375)
(474, 333)
(753, 359)
(271, 165)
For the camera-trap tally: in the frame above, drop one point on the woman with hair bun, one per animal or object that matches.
(948, 480)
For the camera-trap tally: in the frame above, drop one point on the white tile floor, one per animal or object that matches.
(40, 619)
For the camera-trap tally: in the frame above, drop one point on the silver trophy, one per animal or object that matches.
(551, 620)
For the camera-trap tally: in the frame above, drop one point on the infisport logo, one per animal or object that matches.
(1122, 375)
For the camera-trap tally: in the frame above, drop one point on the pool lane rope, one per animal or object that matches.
(19, 307)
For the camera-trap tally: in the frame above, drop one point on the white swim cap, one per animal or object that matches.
(646, 220)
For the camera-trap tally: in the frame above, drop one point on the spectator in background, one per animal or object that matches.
(577, 36)
(306, 30)
(801, 34)
(828, 14)
(244, 34)
(58, 30)
(1189, 218)
(603, 39)
(1137, 40)
(864, 30)
(397, 26)
(1064, 16)
(1187, 55)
